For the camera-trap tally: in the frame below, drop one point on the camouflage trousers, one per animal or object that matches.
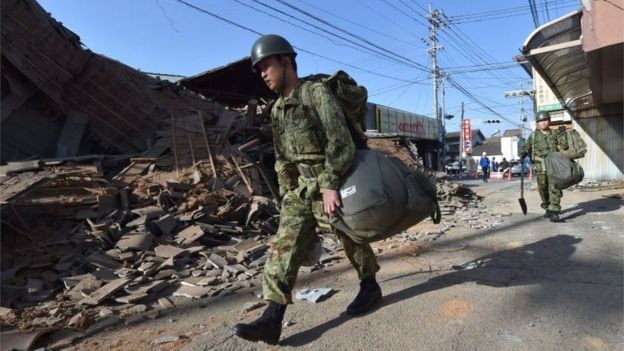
(551, 196)
(299, 217)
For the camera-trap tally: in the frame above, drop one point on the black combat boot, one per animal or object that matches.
(267, 328)
(547, 214)
(367, 298)
(554, 217)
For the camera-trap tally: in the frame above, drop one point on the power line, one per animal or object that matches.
(405, 14)
(504, 13)
(473, 49)
(358, 25)
(391, 21)
(481, 68)
(534, 13)
(389, 56)
(547, 11)
(409, 7)
(218, 17)
(419, 5)
(201, 10)
(399, 96)
(486, 64)
(479, 102)
(303, 28)
(415, 64)
(398, 86)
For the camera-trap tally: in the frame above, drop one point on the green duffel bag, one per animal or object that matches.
(562, 172)
(381, 197)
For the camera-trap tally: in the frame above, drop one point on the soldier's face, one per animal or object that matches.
(543, 125)
(271, 71)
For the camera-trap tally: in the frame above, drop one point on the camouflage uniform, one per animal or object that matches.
(538, 146)
(316, 137)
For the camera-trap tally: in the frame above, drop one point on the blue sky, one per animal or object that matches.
(167, 36)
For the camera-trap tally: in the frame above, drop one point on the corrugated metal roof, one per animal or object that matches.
(232, 84)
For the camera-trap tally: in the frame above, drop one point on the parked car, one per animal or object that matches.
(516, 169)
(453, 168)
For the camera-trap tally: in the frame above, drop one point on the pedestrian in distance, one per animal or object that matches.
(484, 162)
(313, 151)
(503, 165)
(494, 165)
(540, 144)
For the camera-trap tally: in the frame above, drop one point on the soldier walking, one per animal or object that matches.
(540, 144)
(313, 150)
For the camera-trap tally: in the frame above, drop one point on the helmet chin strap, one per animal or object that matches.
(283, 86)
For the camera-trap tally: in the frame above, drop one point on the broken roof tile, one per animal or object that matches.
(192, 292)
(104, 292)
(189, 234)
(135, 241)
(168, 251)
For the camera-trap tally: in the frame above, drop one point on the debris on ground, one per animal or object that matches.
(314, 295)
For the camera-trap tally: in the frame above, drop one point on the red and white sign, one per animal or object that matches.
(467, 135)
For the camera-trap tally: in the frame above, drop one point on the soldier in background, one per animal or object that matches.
(313, 151)
(540, 144)
(503, 165)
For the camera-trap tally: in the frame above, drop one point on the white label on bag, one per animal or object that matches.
(344, 193)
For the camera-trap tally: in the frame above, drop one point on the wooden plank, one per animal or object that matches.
(210, 158)
(17, 185)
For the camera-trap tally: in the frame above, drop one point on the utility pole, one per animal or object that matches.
(435, 20)
(521, 94)
(443, 122)
(522, 115)
(461, 140)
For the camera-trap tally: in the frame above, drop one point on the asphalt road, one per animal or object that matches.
(534, 285)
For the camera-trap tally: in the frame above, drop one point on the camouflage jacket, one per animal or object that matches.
(302, 136)
(540, 144)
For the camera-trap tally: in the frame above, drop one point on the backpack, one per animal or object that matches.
(576, 145)
(381, 197)
(351, 97)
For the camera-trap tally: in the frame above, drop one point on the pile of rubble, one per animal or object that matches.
(87, 252)
(83, 252)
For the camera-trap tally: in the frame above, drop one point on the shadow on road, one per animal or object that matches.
(597, 205)
(547, 260)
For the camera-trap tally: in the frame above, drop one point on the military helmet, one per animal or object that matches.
(542, 115)
(268, 45)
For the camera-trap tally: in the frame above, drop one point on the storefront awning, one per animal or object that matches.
(555, 51)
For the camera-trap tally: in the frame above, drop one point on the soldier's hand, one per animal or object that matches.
(331, 201)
